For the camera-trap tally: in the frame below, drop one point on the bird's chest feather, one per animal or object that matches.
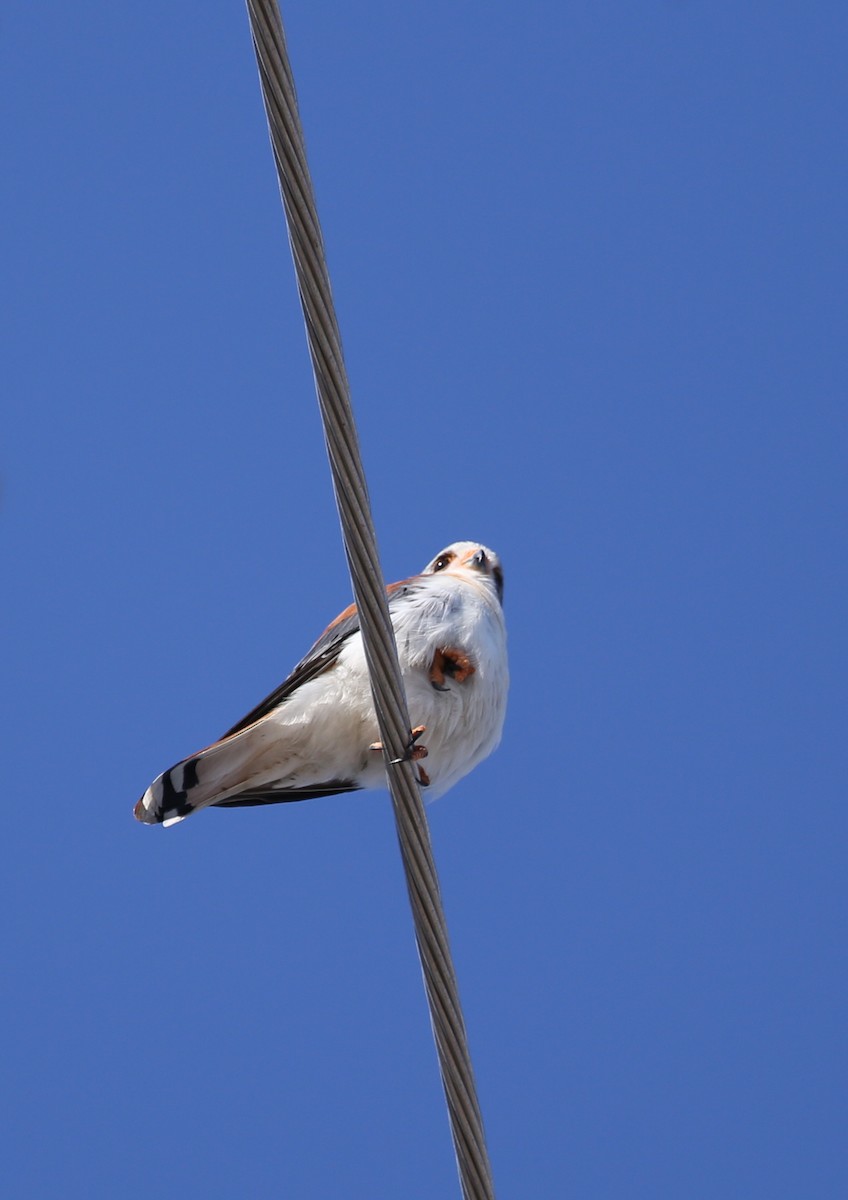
(452, 648)
(462, 709)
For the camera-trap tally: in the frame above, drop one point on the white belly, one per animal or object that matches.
(463, 722)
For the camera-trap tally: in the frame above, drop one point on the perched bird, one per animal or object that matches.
(316, 735)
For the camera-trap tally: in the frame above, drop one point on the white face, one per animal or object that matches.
(469, 556)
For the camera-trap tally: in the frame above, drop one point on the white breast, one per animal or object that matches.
(464, 722)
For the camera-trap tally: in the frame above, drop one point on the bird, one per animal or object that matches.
(317, 735)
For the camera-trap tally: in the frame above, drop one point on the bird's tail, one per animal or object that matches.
(171, 797)
(242, 769)
(211, 775)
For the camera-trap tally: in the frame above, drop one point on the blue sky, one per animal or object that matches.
(589, 261)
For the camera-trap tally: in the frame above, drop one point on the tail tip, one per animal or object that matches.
(144, 812)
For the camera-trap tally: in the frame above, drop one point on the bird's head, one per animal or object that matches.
(469, 558)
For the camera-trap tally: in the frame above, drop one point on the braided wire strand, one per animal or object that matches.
(306, 242)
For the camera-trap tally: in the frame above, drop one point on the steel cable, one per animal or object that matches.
(360, 543)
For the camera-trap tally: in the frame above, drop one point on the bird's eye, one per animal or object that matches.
(442, 561)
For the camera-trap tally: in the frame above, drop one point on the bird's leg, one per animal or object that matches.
(449, 662)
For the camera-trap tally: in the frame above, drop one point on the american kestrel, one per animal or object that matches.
(317, 734)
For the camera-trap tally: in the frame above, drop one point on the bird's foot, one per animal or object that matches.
(450, 663)
(413, 751)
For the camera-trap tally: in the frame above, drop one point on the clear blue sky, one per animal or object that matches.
(590, 265)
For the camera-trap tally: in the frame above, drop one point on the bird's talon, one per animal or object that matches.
(450, 663)
(412, 753)
(415, 752)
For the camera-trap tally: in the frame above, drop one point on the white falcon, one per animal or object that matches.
(317, 733)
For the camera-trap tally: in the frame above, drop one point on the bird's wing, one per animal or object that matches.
(253, 797)
(320, 658)
(179, 790)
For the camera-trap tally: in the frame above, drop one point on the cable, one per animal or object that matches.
(369, 591)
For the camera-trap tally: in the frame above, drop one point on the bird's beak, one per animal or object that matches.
(478, 559)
